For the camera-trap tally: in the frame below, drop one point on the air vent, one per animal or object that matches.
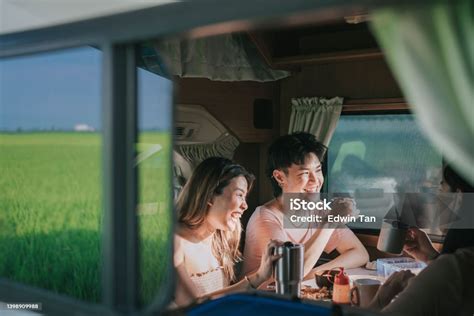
(195, 125)
(186, 130)
(179, 132)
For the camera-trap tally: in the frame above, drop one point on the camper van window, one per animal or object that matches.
(381, 154)
(50, 164)
(154, 181)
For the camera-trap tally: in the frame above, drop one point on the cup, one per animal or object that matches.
(392, 236)
(364, 291)
(288, 270)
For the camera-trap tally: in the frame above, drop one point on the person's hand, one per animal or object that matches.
(265, 270)
(419, 246)
(396, 283)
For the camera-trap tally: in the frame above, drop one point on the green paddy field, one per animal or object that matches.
(51, 211)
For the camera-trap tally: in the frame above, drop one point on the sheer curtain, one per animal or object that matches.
(315, 115)
(431, 53)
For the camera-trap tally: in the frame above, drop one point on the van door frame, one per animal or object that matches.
(115, 35)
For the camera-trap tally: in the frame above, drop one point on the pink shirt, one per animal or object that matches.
(266, 224)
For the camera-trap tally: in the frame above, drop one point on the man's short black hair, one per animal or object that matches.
(291, 149)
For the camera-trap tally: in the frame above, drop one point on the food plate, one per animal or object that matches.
(310, 293)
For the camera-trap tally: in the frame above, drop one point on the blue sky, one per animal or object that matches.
(61, 89)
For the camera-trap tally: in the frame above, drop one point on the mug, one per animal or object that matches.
(364, 291)
(392, 236)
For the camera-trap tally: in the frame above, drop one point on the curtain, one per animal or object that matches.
(318, 116)
(229, 57)
(430, 50)
(222, 147)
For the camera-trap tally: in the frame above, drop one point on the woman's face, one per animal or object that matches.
(304, 178)
(226, 209)
(444, 187)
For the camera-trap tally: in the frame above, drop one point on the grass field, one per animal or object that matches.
(51, 212)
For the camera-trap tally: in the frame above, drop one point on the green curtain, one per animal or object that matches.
(318, 116)
(430, 50)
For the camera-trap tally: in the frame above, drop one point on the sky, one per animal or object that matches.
(62, 89)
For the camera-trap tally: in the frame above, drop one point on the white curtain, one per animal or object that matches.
(318, 116)
(229, 57)
(430, 50)
(222, 147)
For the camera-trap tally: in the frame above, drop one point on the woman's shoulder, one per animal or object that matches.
(184, 247)
(184, 235)
(179, 238)
(182, 240)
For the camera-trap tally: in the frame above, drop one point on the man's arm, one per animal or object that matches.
(352, 252)
(314, 247)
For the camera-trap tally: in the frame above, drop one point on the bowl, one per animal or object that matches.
(326, 277)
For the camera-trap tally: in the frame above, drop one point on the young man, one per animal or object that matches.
(294, 166)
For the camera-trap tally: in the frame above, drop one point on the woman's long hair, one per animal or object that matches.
(208, 180)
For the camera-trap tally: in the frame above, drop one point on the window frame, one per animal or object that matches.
(374, 109)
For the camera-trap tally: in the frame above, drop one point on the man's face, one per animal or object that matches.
(304, 178)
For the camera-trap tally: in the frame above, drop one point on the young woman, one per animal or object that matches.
(419, 245)
(208, 234)
(445, 286)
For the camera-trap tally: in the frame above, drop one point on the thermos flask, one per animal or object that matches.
(288, 270)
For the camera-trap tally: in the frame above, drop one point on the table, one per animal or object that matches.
(260, 303)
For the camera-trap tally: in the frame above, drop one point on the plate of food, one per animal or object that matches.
(311, 293)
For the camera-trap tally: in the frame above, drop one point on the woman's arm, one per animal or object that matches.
(185, 292)
(440, 289)
(254, 280)
(395, 284)
(249, 282)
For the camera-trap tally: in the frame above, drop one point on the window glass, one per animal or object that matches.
(50, 167)
(381, 155)
(154, 178)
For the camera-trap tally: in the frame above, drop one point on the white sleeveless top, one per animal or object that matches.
(209, 281)
(203, 267)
